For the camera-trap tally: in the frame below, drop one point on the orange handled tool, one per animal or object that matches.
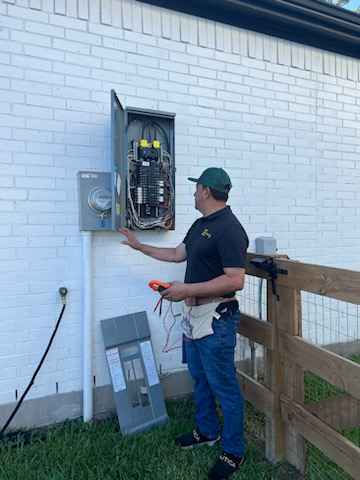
(158, 285)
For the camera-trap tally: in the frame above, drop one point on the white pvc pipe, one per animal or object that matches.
(87, 327)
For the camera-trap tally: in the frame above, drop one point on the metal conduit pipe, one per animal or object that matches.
(87, 326)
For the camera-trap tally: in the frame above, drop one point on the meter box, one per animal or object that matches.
(136, 385)
(95, 200)
(142, 185)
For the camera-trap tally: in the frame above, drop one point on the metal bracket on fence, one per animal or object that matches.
(269, 266)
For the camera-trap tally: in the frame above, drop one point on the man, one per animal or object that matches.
(215, 250)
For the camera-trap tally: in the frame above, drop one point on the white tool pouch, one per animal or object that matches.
(197, 320)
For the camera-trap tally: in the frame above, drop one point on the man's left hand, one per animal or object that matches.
(176, 292)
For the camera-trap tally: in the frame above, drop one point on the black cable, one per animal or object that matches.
(18, 405)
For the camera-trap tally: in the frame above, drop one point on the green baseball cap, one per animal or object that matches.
(215, 178)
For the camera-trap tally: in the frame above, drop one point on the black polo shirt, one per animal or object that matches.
(213, 243)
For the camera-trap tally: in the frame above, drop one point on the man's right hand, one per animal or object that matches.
(131, 239)
(175, 255)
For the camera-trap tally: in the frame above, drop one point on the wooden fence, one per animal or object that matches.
(289, 420)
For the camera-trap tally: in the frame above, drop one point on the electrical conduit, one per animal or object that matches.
(87, 326)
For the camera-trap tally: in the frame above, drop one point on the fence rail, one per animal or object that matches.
(288, 358)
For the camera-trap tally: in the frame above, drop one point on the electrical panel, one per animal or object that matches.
(136, 385)
(143, 161)
(142, 181)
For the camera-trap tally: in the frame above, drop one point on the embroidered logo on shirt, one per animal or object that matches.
(206, 234)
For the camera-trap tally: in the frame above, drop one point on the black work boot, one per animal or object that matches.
(225, 466)
(195, 439)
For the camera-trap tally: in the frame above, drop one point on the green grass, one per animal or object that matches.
(317, 389)
(319, 467)
(77, 451)
(97, 451)
(355, 358)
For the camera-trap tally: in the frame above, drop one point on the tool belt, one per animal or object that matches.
(196, 301)
(197, 319)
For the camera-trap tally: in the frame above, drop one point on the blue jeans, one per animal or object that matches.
(211, 364)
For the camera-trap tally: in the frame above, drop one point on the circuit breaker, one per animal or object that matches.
(136, 385)
(142, 180)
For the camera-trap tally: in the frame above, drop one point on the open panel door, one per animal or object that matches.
(119, 163)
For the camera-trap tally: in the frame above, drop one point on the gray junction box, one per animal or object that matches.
(266, 245)
(137, 390)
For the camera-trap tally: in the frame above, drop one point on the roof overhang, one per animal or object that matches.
(309, 22)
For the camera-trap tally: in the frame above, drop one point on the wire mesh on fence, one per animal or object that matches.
(337, 409)
(335, 326)
(326, 322)
(252, 301)
(250, 355)
(331, 323)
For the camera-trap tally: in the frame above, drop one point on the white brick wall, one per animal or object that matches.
(282, 118)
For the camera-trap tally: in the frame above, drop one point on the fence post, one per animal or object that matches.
(290, 321)
(274, 379)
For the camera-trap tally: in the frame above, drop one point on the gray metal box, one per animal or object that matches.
(265, 245)
(137, 390)
(129, 125)
(94, 190)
